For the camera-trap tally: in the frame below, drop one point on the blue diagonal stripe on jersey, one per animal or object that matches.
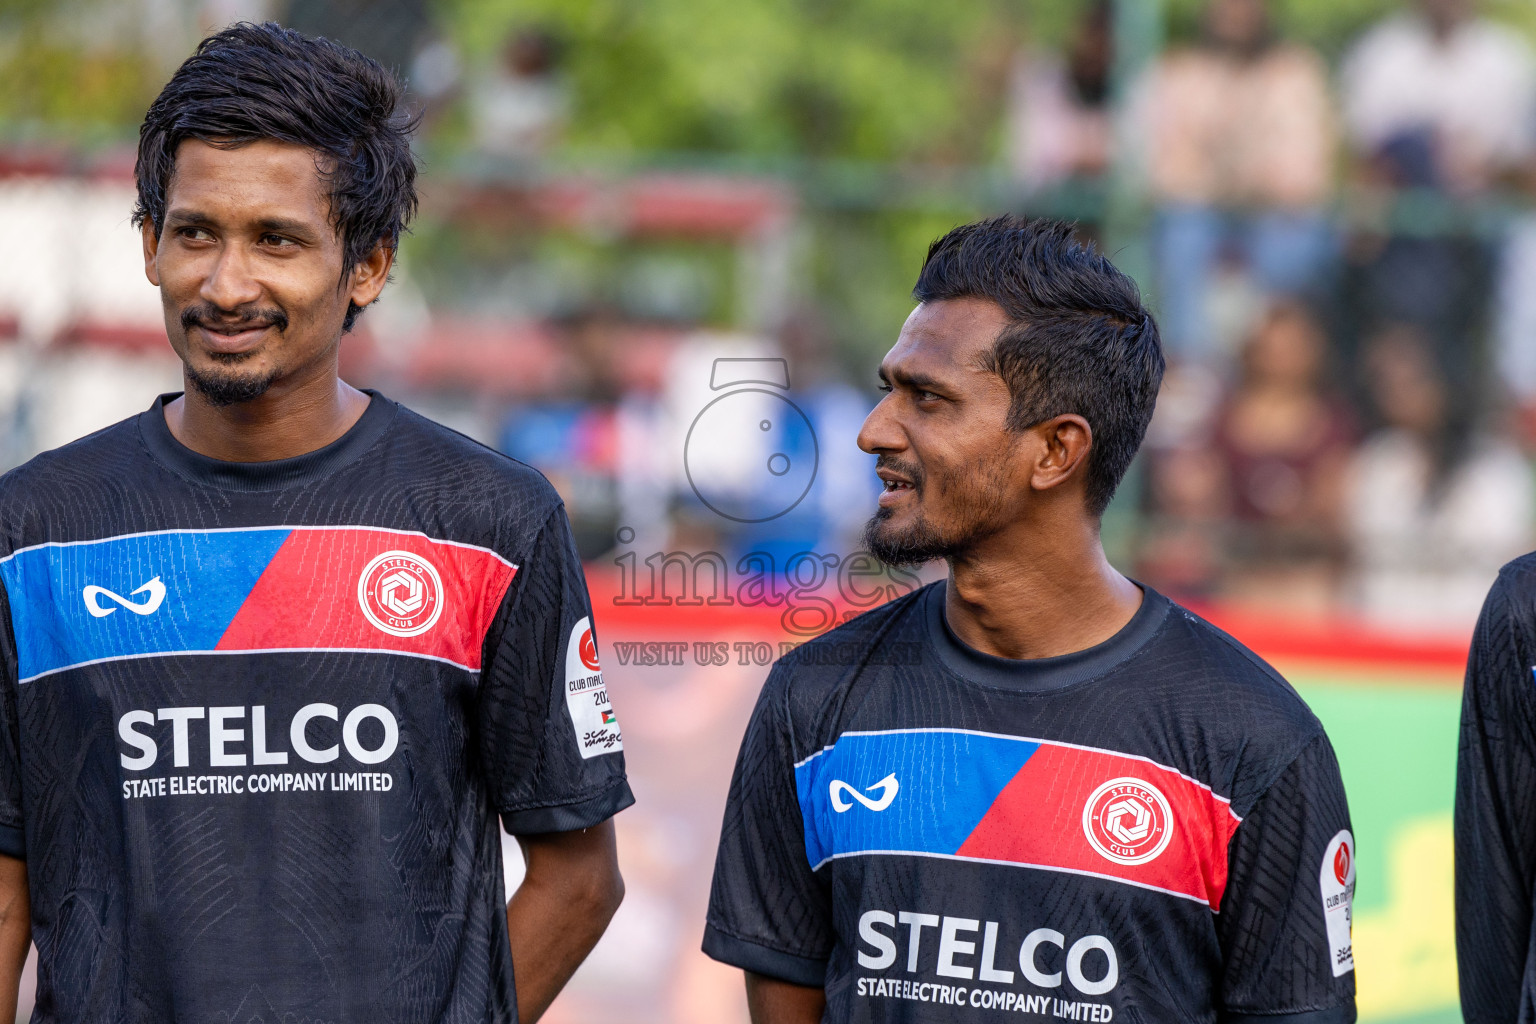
(207, 575)
(946, 783)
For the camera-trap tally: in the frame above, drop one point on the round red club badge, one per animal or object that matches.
(1341, 860)
(1128, 821)
(589, 651)
(401, 593)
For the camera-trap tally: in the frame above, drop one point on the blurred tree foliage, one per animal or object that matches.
(866, 79)
(884, 80)
(877, 80)
(839, 83)
(69, 73)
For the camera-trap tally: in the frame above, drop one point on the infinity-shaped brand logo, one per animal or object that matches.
(154, 588)
(888, 787)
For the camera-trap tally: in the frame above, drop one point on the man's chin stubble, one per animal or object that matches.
(228, 388)
(904, 549)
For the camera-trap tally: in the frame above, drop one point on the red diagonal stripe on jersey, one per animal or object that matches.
(1038, 819)
(307, 598)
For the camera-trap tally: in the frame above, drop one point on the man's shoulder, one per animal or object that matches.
(100, 459)
(862, 638)
(1518, 574)
(423, 476)
(446, 450)
(472, 482)
(813, 673)
(1511, 600)
(1243, 692)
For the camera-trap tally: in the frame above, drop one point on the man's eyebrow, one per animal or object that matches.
(187, 217)
(913, 379)
(285, 225)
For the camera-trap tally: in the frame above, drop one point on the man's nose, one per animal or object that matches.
(881, 432)
(230, 284)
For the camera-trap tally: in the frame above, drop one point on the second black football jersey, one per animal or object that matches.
(1496, 807)
(1152, 830)
(257, 721)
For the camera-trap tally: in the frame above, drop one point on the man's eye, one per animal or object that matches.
(277, 241)
(883, 388)
(196, 234)
(923, 396)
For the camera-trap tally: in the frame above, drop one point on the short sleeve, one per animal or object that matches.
(12, 838)
(768, 912)
(1496, 814)
(1284, 921)
(549, 739)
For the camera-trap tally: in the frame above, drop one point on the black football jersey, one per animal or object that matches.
(1151, 830)
(258, 720)
(1496, 807)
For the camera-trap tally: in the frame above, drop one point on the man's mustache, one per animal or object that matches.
(243, 318)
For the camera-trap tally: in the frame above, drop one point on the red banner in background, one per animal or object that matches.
(1273, 637)
(1342, 641)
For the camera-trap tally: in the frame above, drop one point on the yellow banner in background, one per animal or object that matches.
(1396, 744)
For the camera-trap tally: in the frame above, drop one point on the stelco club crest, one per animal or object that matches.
(401, 593)
(1128, 821)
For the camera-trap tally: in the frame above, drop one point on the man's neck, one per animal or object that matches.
(1038, 592)
(283, 423)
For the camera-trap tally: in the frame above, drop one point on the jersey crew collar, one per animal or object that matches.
(1041, 674)
(309, 468)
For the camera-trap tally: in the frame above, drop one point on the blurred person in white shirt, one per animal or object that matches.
(518, 107)
(1239, 139)
(1442, 88)
(1441, 100)
(1436, 501)
(1058, 120)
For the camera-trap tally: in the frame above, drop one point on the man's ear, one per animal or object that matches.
(1066, 442)
(370, 275)
(151, 239)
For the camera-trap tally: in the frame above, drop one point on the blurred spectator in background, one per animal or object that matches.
(213, 15)
(1059, 106)
(1246, 502)
(434, 78)
(391, 33)
(1239, 138)
(1514, 326)
(1283, 439)
(1440, 103)
(1437, 501)
(518, 105)
(1183, 545)
(1438, 97)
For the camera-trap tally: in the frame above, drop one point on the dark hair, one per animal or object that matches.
(252, 82)
(1079, 340)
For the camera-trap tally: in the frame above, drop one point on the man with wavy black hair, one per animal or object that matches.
(262, 84)
(276, 653)
(1080, 801)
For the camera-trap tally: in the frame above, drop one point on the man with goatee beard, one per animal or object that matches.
(1081, 801)
(276, 653)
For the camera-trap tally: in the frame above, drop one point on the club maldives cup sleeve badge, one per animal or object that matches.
(1337, 880)
(597, 728)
